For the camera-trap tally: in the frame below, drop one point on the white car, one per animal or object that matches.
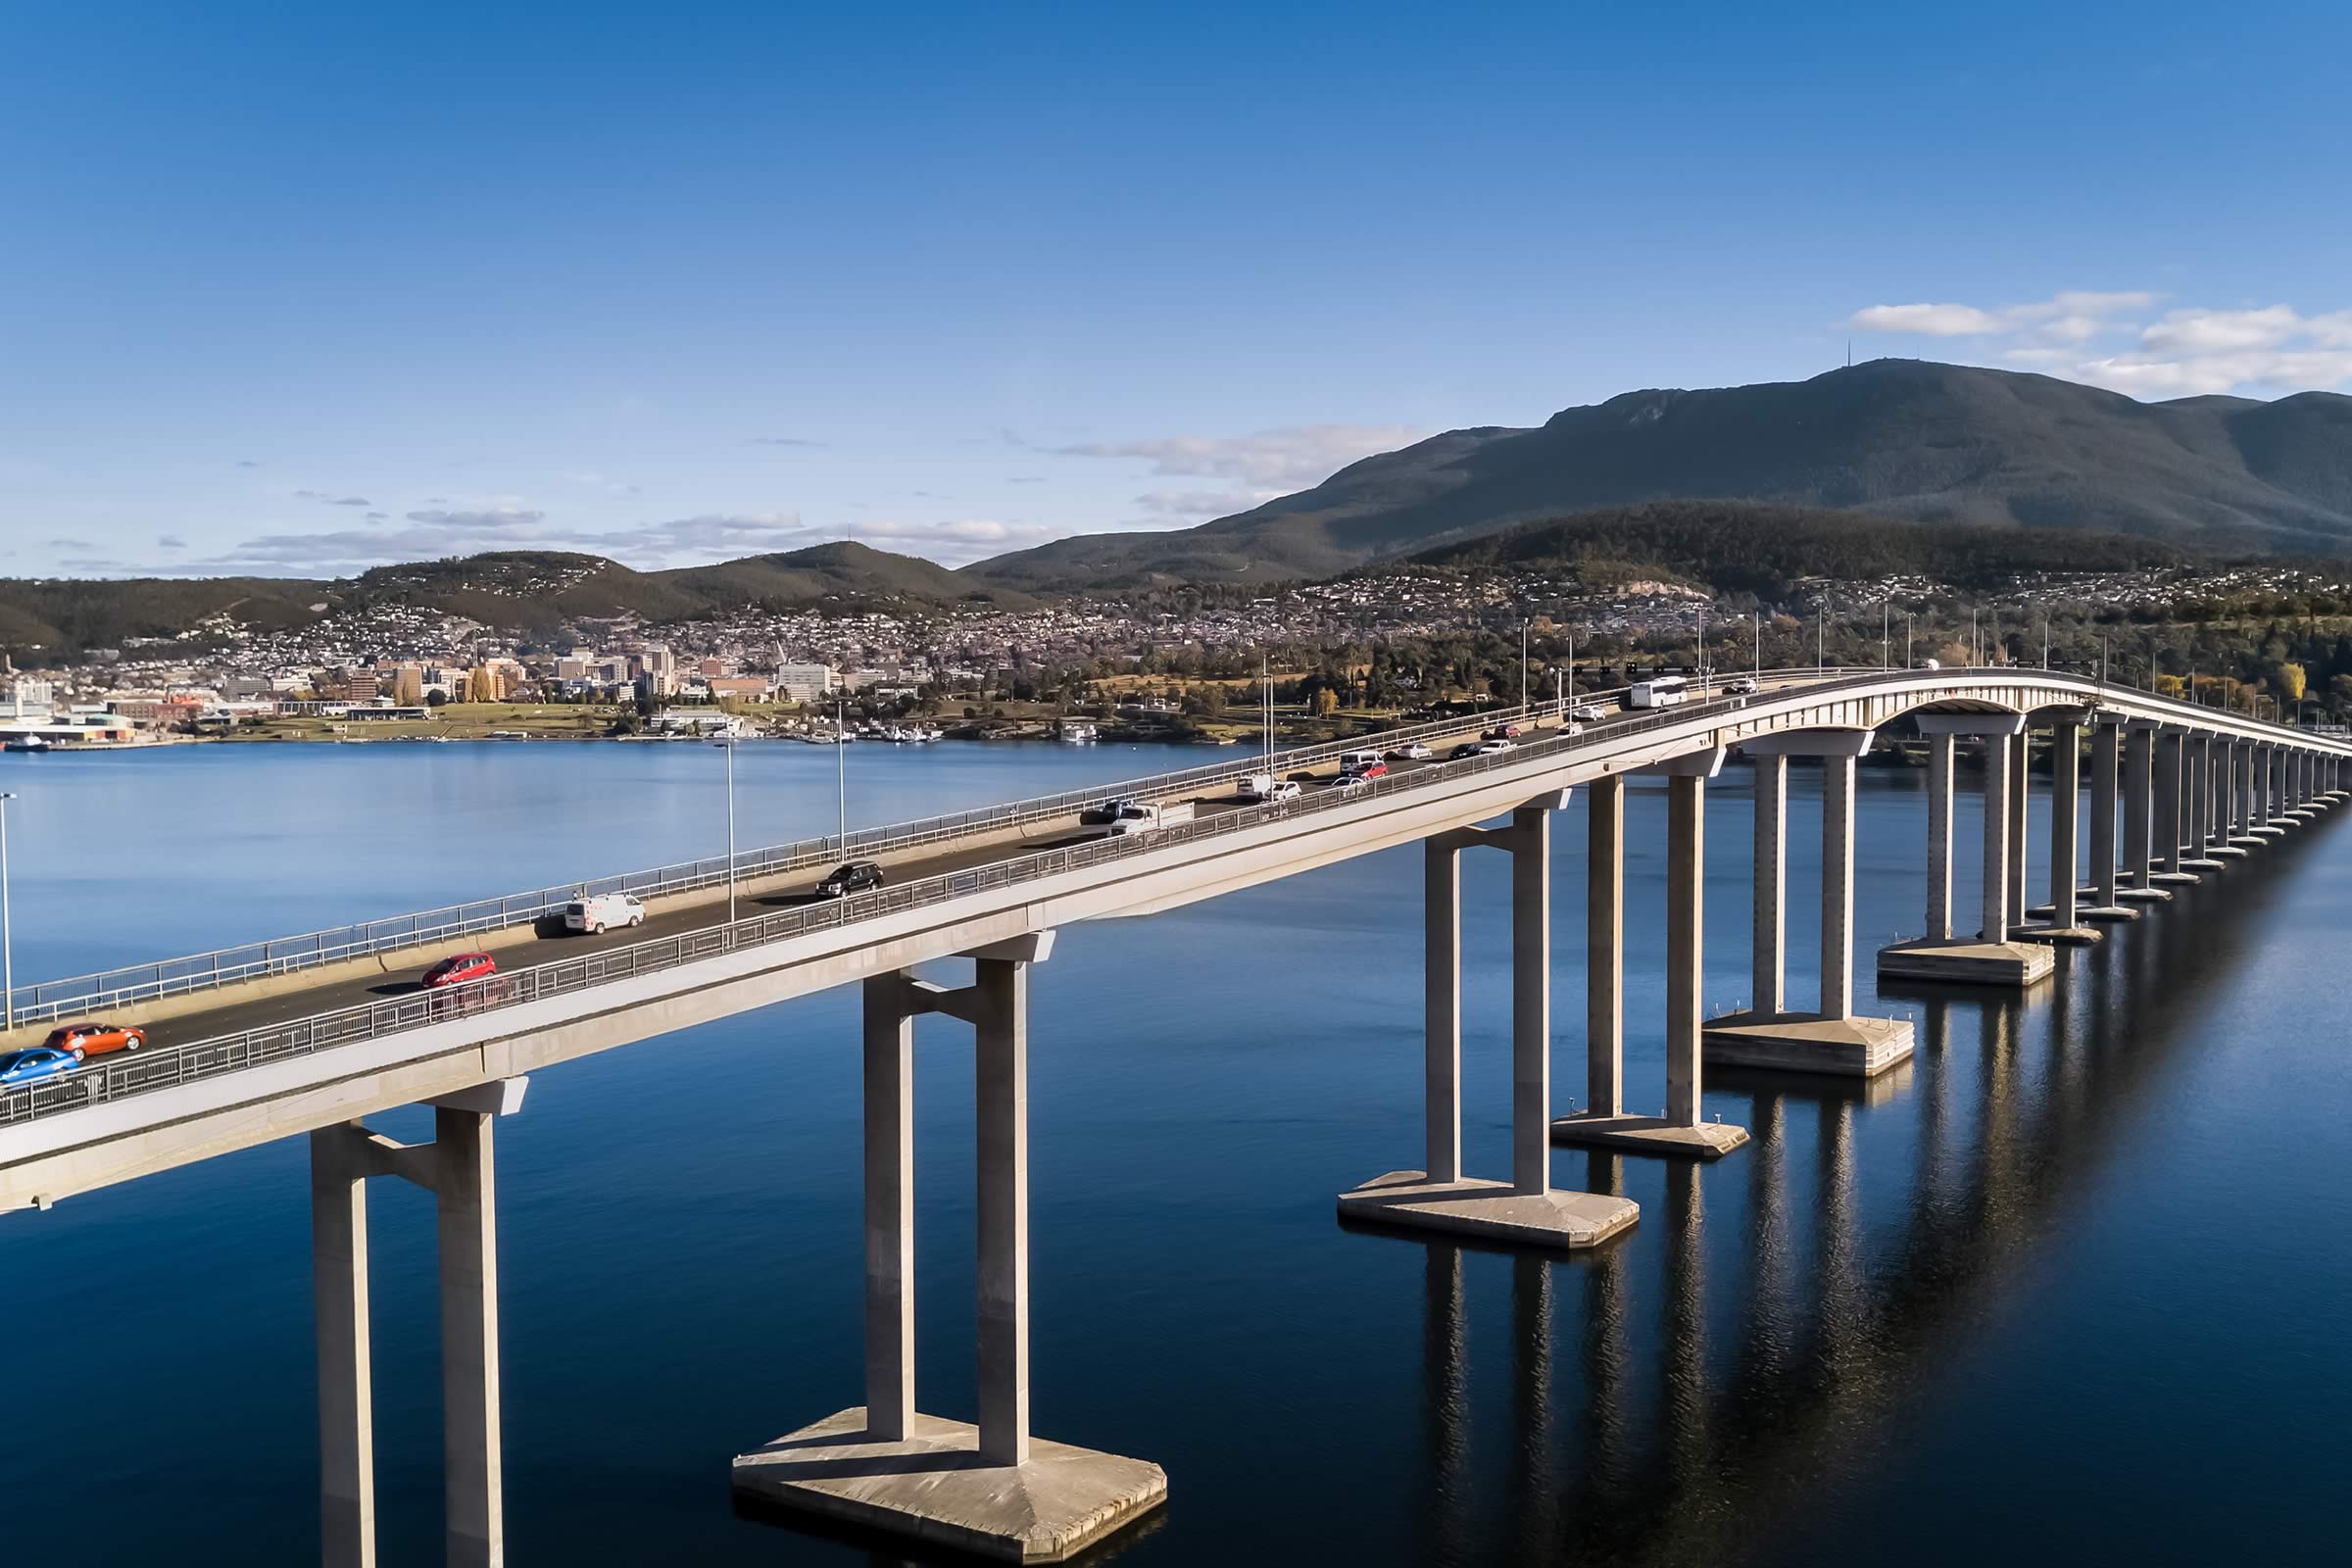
(1410, 752)
(594, 914)
(1589, 713)
(1349, 783)
(1283, 789)
(1489, 748)
(1742, 686)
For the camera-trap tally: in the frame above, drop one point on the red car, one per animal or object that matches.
(1372, 770)
(80, 1040)
(460, 968)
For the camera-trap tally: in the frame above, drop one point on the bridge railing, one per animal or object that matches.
(301, 1037)
(50, 1000)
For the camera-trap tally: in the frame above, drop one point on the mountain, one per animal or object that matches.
(524, 590)
(1902, 438)
(840, 570)
(1749, 547)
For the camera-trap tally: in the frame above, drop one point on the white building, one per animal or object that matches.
(26, 699)
(803, 683)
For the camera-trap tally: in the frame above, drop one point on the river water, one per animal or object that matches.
(2070, 1284)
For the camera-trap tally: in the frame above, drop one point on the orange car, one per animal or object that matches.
(95, 1039)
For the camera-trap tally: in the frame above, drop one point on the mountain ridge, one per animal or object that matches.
(1909, 439)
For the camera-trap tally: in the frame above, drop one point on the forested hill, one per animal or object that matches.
(522, 590)
(1930, 442)
(1741, 547)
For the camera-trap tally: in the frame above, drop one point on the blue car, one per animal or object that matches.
(34, 1063)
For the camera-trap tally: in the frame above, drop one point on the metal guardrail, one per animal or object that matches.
(303, 1037)
(51, 1000)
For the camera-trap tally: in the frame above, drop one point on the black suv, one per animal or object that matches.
(856, 877)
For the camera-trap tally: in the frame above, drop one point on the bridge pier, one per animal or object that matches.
(2242, 807)
(2204, 813)
(2141, 848)
(2104, 906)
(458, 1168)
(1528, 1208)
(2173, 775)
(1830, 1039)
(2275, 821)
(1991, 957)
(2066, 762)
(986, 1488)
(1679, 1132)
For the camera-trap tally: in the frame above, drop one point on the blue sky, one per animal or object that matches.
(295, 289)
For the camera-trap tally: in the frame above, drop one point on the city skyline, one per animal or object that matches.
(294, 296)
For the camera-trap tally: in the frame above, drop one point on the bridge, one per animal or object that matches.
(313, 1034)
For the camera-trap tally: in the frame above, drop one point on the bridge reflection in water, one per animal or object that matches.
(1708, 1400)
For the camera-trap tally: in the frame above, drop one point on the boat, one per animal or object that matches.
(1077, 732)
(33, 745)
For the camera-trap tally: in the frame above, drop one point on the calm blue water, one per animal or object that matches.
(2075, 1278)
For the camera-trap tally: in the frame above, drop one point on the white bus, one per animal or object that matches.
(1666, 691)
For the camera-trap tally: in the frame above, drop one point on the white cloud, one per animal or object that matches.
(1929, 320)
(1260, 467)
(1283, 459)
(2221, 331)
(2071, 316)
(2184, 353)
(1200, 503)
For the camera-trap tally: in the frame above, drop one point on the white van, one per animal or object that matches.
(1350, 761)
(594, 914)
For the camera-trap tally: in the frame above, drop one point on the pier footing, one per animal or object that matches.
(2107, 913)
(933, 1486)
(1649, 1134)
(1973, 963)
(1805, 1042)
(2062, 936)
(1496, 1210)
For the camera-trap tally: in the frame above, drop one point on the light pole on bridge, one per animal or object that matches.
(727, 744)
(8, 959)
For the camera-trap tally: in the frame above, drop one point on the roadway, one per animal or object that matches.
(234, 1016)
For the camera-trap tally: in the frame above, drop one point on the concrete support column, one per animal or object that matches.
(2234, 811)
(1686, 910)
(1442, 1008)
(2066, 762)
(1531, 999)
(1837, 887)
(346, 1387)
(2021, 791)
(888, 1209)
(2203, 772)
(1604, 949)
(1940, 838)
(1996, 838)
(2168, 802)
(1001, 1027)
(2192, 794)
(2102, 814)
(456, 1167)
(2140, 771)
(467, 1203)
(1769, 965)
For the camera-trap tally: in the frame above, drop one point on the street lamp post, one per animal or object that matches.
(727, 746)
(8, 958)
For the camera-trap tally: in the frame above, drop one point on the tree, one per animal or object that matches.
(407, 687)
(2291, 680)
(1326, 701)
